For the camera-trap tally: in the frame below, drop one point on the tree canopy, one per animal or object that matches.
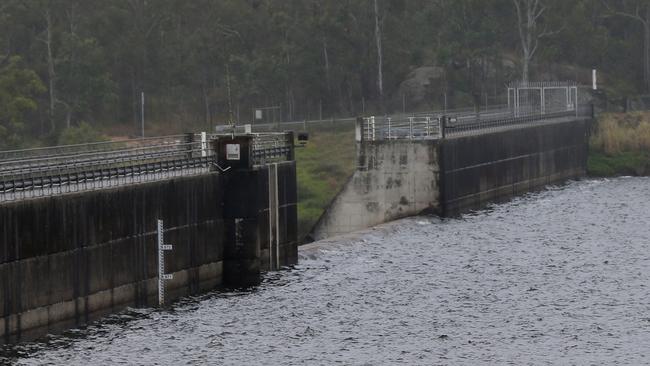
(64, 62)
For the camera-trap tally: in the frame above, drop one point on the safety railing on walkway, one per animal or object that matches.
(58, 170)
(389, 128)
(447, 124)
(272, 147)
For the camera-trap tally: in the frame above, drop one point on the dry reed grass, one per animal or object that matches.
(622, 132)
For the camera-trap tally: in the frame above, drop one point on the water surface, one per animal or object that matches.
(557, 277)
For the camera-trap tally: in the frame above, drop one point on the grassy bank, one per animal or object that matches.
(620, 145)
(323, 166)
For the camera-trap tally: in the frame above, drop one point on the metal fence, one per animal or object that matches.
(58, 170)
(461, 122)
(272, 147)
(529, 98)
(389, 128)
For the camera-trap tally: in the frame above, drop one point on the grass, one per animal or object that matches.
(620, 145)
(323, 167)
(624, 163)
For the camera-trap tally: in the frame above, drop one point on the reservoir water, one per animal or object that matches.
(556, 277)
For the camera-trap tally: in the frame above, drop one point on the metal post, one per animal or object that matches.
(204, 144)
(443, 125)
(411, 128)
(274, 217)
(576, 101)
(568, 98)
(359, 129)
(162, 276)
(277, 216)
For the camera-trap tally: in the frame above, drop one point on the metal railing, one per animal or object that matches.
(56, 170)
(389, 128)
(447, 124)
(272, 147)
(64, 169)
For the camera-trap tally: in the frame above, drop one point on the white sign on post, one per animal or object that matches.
(233, 152)
(258, 114)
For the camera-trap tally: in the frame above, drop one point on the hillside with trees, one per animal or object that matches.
(85, 63)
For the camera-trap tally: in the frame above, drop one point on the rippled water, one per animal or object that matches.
(557, 277)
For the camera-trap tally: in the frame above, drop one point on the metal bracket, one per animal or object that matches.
(223, 170)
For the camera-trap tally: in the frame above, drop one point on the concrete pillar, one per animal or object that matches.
(241, 206)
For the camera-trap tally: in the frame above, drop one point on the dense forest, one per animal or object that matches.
(71, 63)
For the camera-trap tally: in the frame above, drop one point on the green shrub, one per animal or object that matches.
(80, 134)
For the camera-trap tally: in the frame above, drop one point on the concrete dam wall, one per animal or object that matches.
(68, 259)
(480, 169)
(393, 180)
(401, 177)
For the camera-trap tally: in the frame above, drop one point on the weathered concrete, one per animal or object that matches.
(399, 178)
(257, 242)
(66, 260)
(484, 168)
(394, 179)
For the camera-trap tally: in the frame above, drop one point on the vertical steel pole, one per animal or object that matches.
(277, 217)
(271, 213)
(204, 144)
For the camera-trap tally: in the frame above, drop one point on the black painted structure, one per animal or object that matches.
(68, 259)
(479, 169)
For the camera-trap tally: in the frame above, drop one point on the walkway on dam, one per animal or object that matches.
(51, 171)
(462, 124)
(523, 124)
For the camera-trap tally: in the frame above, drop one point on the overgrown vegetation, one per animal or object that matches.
(80, 134)
(200, 61)
(620, 145)
(323, 167)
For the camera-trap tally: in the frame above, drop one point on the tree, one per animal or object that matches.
(18, 88)
(638, 10)
(380, 63)
(529, 17)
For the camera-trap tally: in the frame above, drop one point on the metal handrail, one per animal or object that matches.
(99, 161)
(79, 148)
(426, 127)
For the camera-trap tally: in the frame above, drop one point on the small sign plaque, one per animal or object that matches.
(167, 276)
(166, 247)
(233, 152)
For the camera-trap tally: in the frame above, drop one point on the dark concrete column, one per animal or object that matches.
(241, 209)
